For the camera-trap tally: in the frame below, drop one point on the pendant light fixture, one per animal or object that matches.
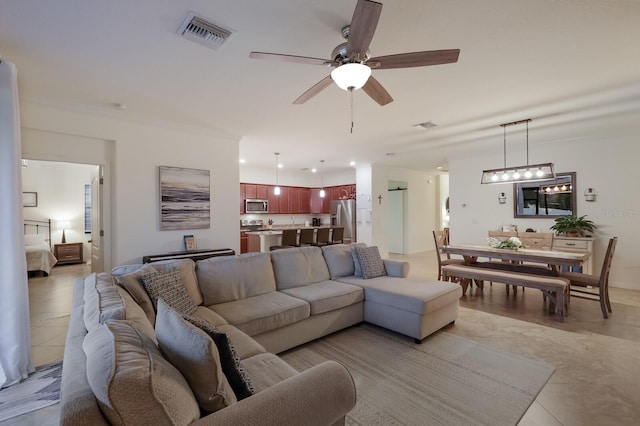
(276, 190)
(527, 173)
(322, 192)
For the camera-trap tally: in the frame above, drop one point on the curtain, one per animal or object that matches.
(15, 339)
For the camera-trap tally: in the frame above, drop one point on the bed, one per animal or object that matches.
(37, 242)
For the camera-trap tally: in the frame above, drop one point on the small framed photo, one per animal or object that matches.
(30, 199)
(189, 243)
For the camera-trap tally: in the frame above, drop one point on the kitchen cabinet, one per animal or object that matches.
(284, 202)
(244, 242)
(305, 200)
(274, 200)
(262, 192)
(250, 190)
(294, 200)
(320, 204)
(242, 198)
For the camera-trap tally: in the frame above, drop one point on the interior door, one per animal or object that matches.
(97, 233)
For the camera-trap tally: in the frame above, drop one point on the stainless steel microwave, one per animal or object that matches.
(256, 206)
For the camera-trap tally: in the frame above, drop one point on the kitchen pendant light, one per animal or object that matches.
(322, 192)
(527, 173)
(276, 190)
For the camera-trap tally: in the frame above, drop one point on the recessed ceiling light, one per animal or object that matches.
(352, 163)
(313, 170)
(280, 165)
(242, 161)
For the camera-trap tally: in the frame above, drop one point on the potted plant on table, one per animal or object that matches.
(573, 226)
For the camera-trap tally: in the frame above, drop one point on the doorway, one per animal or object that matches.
(62, 198)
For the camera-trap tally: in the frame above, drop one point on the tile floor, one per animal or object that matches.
(597, 378)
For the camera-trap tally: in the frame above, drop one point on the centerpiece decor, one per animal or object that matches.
(513, 243)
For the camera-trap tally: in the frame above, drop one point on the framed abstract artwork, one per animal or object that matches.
(184, 198)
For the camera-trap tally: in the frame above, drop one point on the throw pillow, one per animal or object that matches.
(370, 262)
(167, 285)
(357, 269)
(132, 282)
(195, 355)
(132, 382)
(230, 362)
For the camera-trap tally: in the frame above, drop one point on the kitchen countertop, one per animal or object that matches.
(278, 230)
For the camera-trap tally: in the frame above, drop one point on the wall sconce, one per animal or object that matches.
(590, 194)
(502, 198)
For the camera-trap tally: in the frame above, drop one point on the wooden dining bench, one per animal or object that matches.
(555, 288)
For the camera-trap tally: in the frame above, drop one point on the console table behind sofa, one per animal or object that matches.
(195, 255)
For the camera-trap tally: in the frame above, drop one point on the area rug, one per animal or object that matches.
(39, 390)
(446, 380)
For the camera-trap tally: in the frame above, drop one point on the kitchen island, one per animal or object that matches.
(260, 241)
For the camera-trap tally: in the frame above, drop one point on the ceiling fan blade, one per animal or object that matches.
(374, 89)
(363, 26)
(415, 59)
(314, 90)
(291, 58)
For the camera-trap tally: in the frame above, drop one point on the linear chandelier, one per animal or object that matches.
(526, 173)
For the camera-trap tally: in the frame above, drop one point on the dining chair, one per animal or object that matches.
(289, 239)
(594, 287)
(322, 237)
(306, 236)
(504, 236)
(537, 240)
(337, 235)
(440, 239)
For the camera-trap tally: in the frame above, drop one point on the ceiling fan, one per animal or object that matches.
(352, 61)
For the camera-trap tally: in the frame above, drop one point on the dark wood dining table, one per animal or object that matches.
(555, 259)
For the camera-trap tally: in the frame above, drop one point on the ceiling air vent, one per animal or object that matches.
(204, 32)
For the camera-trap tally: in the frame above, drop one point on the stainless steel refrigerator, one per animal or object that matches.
(343, 213)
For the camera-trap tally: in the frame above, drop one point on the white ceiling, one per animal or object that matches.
(559, 62)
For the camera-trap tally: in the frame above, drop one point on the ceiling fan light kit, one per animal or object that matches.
(527, 173)
(351, 76)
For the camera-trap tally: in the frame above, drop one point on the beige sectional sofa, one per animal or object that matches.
(130, 359)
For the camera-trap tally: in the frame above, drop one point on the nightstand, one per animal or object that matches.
(68, 253)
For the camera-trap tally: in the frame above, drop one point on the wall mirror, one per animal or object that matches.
(551, 198)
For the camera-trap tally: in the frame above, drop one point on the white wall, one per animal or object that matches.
(609, 165)
(60, 188)
(134, 150)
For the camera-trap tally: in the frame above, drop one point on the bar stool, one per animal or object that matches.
(306, 236)
(289, 239)
(337, 235)
(322, 237)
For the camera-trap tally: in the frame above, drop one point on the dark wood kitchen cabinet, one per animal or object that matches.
(244, 242)
(305, 200)
(242, 198)
(320, 204)
(284, 200)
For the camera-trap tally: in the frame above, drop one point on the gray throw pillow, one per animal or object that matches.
(356, 263)
(229, 361)
(370, 262)
(195, 355)
(167, 285)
